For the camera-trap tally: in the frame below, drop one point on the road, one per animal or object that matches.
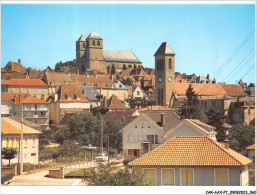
(40, 179)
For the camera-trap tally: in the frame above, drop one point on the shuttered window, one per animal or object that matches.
(17, 142)
(12, 141)
(34, 140)
(221, 177)
(7, 142)
(168, 177)
(26, 141)
(149, 174)
(187, 177)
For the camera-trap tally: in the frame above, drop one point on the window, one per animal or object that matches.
(150, 174)
(153, 139)
(26, 141)
(84, 45)
(7, 142)
(12, 90)
(34, 140)
(35, 90)
(44, 90)
(20, 89)
(98, 43)
(12, 141)
(221, 177)
(52, 89)
(169, 63)
(28, 90)
(249, 111)
(17, 142)
(93, 43)
(168, 177)
(186, 177)
(133, 138)
(138, 92)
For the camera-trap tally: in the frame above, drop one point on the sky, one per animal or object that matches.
(215, 39)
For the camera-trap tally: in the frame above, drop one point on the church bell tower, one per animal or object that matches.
(164, 74)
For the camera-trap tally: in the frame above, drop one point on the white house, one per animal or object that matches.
(10, 137)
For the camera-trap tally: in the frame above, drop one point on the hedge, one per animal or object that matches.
(128, 159)
(6, 176)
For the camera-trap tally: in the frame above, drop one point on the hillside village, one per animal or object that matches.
(176, 129)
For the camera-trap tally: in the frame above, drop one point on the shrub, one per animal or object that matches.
(6, 177)
(128, 159)
(48, 153)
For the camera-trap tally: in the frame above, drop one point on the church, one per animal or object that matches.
(90, 55)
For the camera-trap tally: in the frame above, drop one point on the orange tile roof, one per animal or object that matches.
(191, 151)
(252, 147)
(72, 91)
(210, 89)
(9, 126)
(27, 82)
(31, 100)
(115, 104)
(10, 97)
(14, 66)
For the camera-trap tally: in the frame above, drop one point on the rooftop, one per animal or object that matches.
(251, 147)
(191, 151)
(27, 82)
(165, 49)
(120, 56)
(115, 104)
(71, 93)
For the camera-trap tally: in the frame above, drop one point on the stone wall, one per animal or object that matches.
(57, 173)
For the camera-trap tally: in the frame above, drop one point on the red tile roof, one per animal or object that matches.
(14, 66)
(10, 97)
(210, 89)
(30, 100)
(252, 147)
(191, 151)
(71, 91)
(115, 104)
(27, 82)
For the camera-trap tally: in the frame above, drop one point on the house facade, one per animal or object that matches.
(194, 161)
(10, 137)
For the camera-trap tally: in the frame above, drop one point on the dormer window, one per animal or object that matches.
(107, 85)
(93, 42)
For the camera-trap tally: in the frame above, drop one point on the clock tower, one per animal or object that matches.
(164, 74)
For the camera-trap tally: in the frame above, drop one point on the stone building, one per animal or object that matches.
(90, 55)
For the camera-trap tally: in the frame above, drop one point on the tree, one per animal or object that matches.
(9, 153)
(191, 109)
(128, 82)
(252, 122)
(69, 148)
(215, 119)
(85, 128)
(115, 138)
(59, 67)
(114, 176)
(240, 137)
(61, 134)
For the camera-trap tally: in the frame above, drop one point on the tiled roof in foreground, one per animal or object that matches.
(191, 151)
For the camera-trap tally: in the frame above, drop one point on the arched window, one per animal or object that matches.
(169, 63)
(108, 69)
(113, 69)
(129, 66)
(84, 45)
(124, 67)
(135, 66)
(93, 43)
(98, 43)
(83, 68)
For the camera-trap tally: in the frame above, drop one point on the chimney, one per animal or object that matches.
(162, 119)
(19, 61)
(226, 143)
(208, 76)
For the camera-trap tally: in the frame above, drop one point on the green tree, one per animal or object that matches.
(191, 108)
(9, 153)
(69, 148)
(216, 119)
(59, 67)
(115, 138)
(114, 176)
(128, 82)
(240, 137)
(61, 134)
(85, 128)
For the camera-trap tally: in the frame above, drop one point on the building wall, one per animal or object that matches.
(28, 150)
(203, 176)
(184, 130)
(37, 91)
(251, 154)
(244, 177)
(119, 66)
(140, 130)
(138, 93)
(121, 94)
(7, 108)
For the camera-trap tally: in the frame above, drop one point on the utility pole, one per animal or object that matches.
(102, 140)
(108, 151)
(21, 143)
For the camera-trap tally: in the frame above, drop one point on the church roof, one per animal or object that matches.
(120, 56)
(94, 35)
(82, 37)
(165, 49)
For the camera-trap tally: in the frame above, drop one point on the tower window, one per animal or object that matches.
(124, 67)
(93, 43)
(98, 43)
(83, 68)
(169, 63)
(84, 45)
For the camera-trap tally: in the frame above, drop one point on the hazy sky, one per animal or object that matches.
(204, 37)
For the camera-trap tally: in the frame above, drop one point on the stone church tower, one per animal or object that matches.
(89, 52)
(164, 74)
